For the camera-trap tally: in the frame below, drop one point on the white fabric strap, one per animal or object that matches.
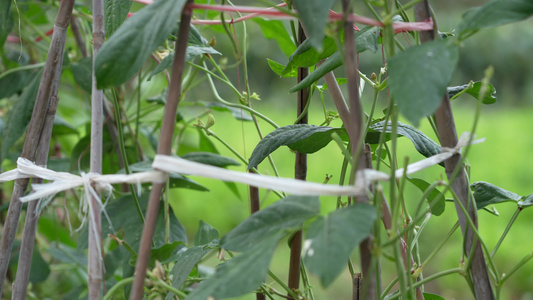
(163, 165)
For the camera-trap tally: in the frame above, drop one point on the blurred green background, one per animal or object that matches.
(504, 159)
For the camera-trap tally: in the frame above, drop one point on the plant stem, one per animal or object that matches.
(34, 132)
(164, 147)
(506, 231)
(122, 148)
(300, 172)
(282, 284)
(20, 286)
(448, 136)
(96, 253)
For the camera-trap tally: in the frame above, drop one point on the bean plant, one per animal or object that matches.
(146, 66)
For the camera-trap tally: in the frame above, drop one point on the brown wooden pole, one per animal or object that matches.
(164, 147)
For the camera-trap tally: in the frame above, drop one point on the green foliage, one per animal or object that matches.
(314, 15)
(432, 63)
(122, 56)
(494, 13)
(330, 240)
(19, 116)
(473, 90)
(115, 13)
(283, 216)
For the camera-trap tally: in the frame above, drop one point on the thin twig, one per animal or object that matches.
(95, 279)
(20, 286)
(164, 147)
(300, 172)
(456, 174)
(34, 131)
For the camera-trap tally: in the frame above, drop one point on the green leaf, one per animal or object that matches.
(284, 215)
(306, 56)
(240, 275)
(62, 127)
(330, 240)
(209, 158)
(437, 206)
(494, 13)
(318, 140)
(19, 116)
(39, 267)
(278, 69)
(274, 29)
(14, 83)
(6, 21)
(123, 55)
(206, 233)
(160, 254)
(115, 12)
(423, 144)
(185, 262)
(489, 98)
(363, 40)
(418, 77)
(82, 73)
(486, 194)
(292, 134)
(314, 15)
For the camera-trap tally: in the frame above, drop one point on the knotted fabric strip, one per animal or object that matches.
(163, 165)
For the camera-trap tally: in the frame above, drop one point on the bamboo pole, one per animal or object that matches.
(300, 172)
(448, 138)
(30, 226)
(369, 281)
(96, 253)
(34, 131)
(164, 147)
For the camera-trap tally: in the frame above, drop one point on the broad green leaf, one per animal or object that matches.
(423, 144)
(240, 275)
(330, 240)
(314, 16)
(306, 56)
(82, 73)
(274, 29)
(115, 12)
(366, 39)
(123, 55)
(209, 158)
(486, 194)
(39, 267)
(437, 206)
(282, 216)
(62, 127)
(205, 234)
(489, 98)
(6, 21)
(52, 230)
(278, 69)
(494, 13)
(418, 77)
(14, 83)
(19, 116)
(185, 262)
(318, 140)
(291, 134)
